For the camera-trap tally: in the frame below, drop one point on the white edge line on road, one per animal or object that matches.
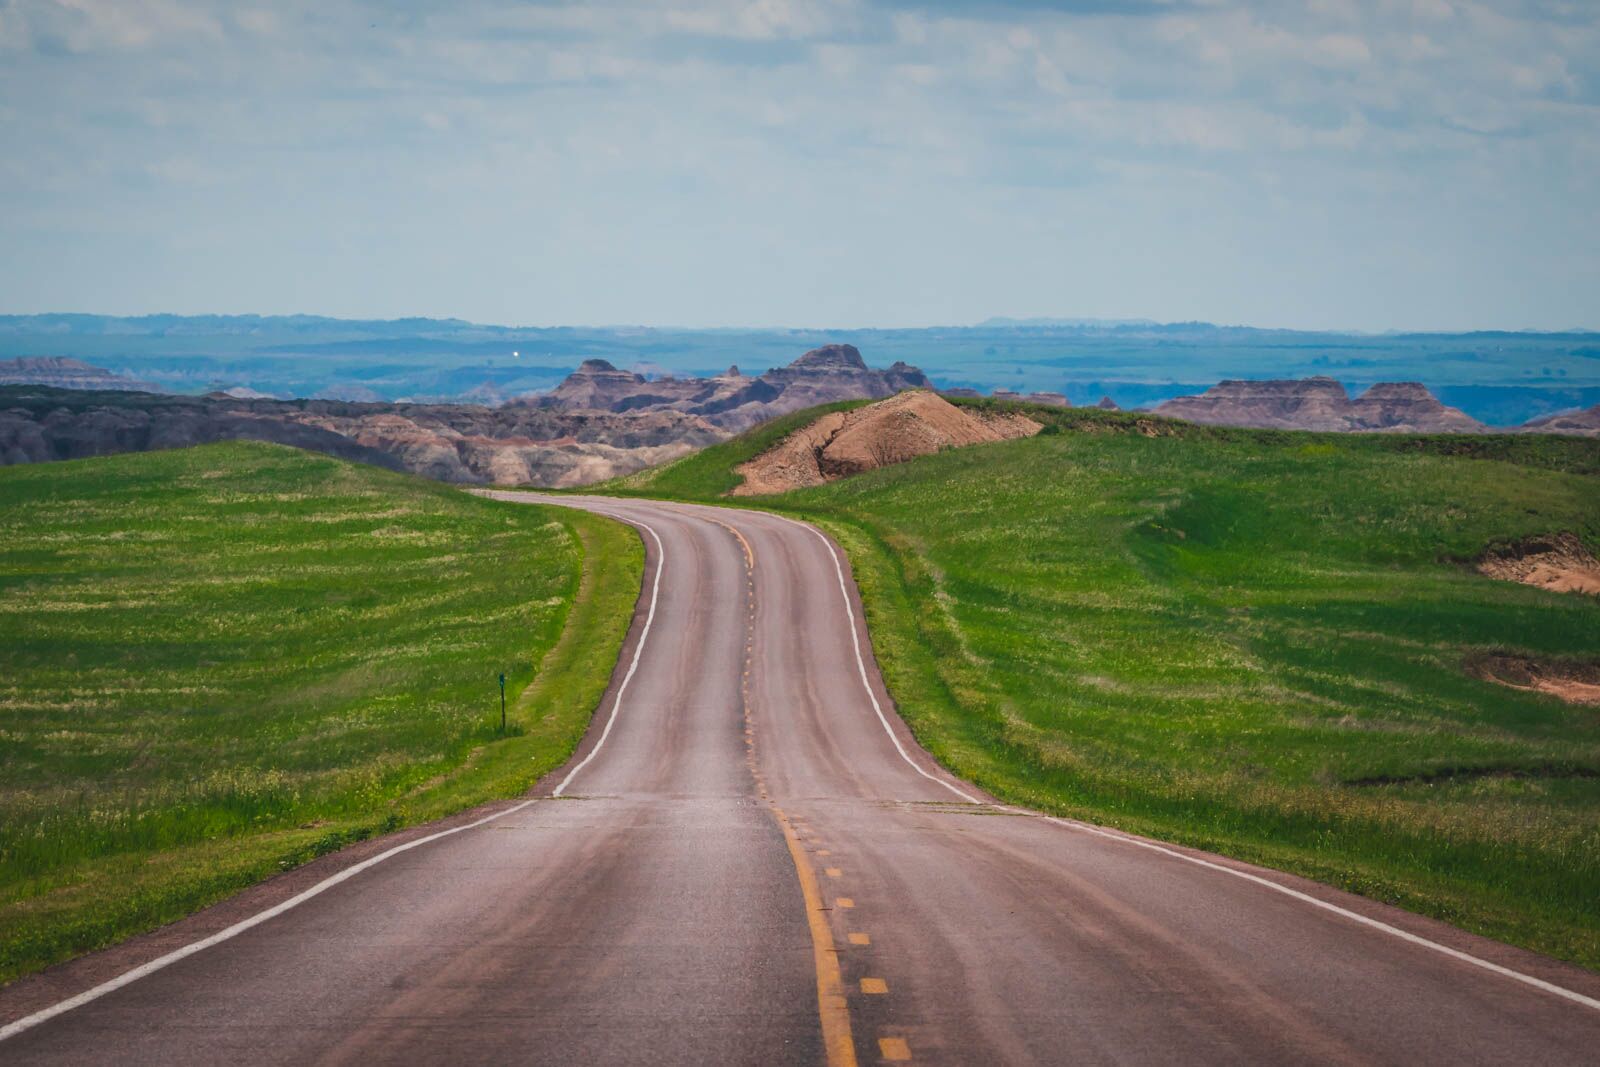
(1307, 898)
(861, 667)
(28, 1022)
(638, 650)
(43, 1015)
(1395, 931)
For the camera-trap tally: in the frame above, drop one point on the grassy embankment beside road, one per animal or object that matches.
(1245, 641)
(219, 662)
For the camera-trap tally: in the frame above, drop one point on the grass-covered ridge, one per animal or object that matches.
(1251, 642)
(218, 662)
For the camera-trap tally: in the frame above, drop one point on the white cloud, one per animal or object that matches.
(257, 20)
(782, 120)
(91, 25)
(759, 20)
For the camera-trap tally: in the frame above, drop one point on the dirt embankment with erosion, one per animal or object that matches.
(1559, 562)
(1574, 682)
(841, 443)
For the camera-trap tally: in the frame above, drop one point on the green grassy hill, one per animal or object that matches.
(1247, 641)
(218, 662)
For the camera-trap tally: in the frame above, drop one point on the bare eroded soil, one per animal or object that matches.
(841, 443)
(1576, 683)
(1560, 563)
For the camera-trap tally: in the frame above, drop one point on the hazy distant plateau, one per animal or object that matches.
(1501, 378)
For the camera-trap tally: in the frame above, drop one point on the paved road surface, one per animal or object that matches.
(751, 862)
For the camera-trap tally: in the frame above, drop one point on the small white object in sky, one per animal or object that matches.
(516, 355)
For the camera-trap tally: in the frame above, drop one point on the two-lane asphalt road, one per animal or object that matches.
(750, 861)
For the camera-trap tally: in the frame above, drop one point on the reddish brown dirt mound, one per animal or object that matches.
(1576, 683)
(915, 423)
(1559, 562)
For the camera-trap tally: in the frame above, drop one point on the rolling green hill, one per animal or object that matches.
(1246, 641)
(218, 662)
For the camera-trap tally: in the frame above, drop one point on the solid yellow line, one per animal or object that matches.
(749, 553)
(837, 1044)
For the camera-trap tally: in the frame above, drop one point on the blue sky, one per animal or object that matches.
(1331, 163)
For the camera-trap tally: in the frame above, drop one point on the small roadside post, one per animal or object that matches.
(502, 703)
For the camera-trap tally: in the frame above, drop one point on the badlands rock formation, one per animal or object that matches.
(1321, 404)
(599, 423)
(63, 373)
(1585, 423)
(511, 445)
(731, 400)
(842, 443)
(1410, 408)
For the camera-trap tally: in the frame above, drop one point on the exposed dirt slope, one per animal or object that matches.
(914, 423)
(1560, 563)
(1576, 683)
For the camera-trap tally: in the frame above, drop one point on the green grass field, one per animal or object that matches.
(219, 662)
(1250, 642)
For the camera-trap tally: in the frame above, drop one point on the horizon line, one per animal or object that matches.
(995, 321)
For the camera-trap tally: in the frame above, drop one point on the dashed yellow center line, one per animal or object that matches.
(874, 985)
(837, 1042)
(859, 939)
(832, 872)
(894, 1049)
(844, 902)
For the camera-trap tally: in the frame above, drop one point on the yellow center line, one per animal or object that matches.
(860, 939)
(839, 1046)
(844, 902)
(832, 872)
(874, 985)
(894, 1049)
(837, 1043)
(749, 554)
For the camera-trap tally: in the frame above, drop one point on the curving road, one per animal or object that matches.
(750, 861)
